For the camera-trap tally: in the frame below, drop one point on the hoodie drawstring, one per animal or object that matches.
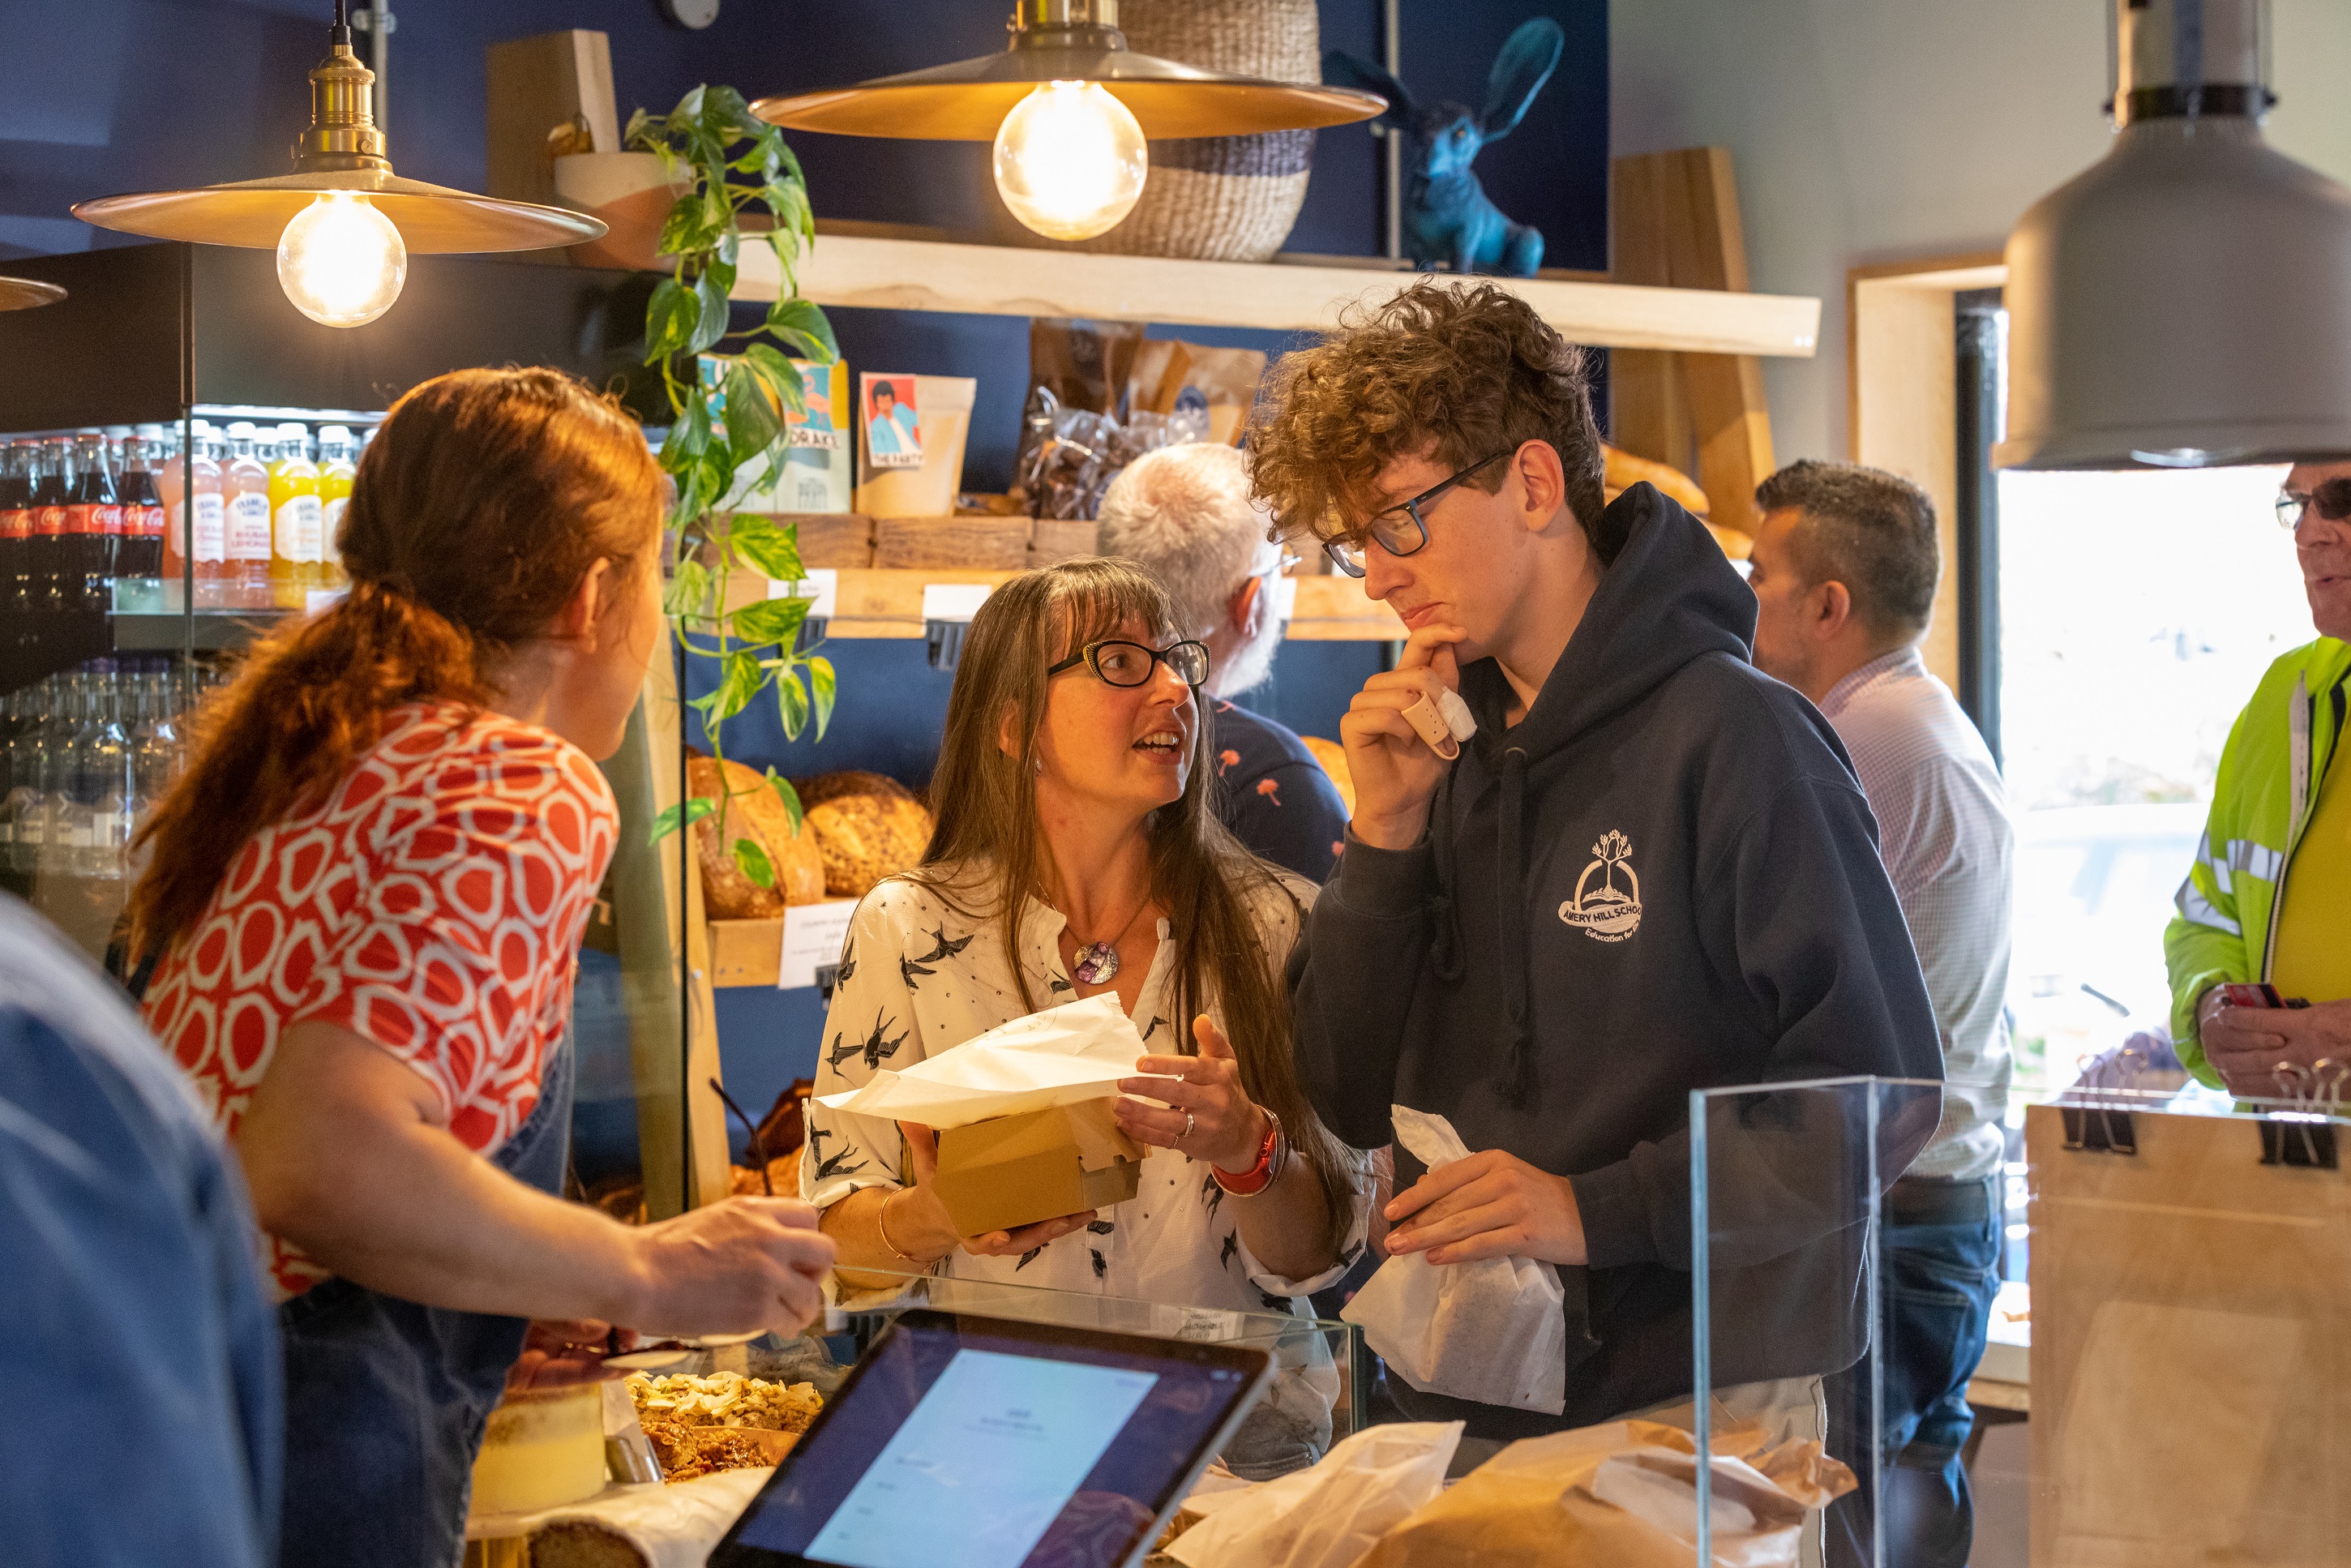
(1511, 932)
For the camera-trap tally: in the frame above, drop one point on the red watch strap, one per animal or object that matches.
(1254, 1180)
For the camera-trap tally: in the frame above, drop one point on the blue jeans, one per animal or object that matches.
(1939, 1274)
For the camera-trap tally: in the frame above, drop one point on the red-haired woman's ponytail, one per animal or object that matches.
(481, 503)
(307, 703)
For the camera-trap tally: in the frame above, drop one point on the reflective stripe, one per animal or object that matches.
(2261, 860)
(2193, 906)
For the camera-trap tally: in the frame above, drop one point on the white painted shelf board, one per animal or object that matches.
(857, 271)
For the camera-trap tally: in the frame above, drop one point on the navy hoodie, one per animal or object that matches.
(1665, 878)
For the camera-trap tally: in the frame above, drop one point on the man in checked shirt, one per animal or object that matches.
(1843, 571)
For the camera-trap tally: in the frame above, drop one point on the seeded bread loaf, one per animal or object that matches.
(867, 827)
(755, 812)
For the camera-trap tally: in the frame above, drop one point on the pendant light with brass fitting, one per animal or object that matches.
(28, 293)
(1069, 107)
(343, 223)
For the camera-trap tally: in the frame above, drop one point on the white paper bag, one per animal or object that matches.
(1328, 1516)
(1494, 1331)
(1058, 1056)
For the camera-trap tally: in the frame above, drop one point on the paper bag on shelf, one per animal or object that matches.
(1330, 1515)
(1622, 1495)
(1494, 1331)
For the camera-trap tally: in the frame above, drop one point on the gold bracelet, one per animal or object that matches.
(881, 1228)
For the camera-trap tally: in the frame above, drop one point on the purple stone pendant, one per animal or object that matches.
(1097, 964)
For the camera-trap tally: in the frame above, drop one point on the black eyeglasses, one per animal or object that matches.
(2333, 500)
(1401, 530)
(1121, 663)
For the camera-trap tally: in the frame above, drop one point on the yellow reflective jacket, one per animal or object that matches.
(2268, 785)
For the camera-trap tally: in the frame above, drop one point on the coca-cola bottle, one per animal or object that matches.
(15, 527)
(94, 525)
(52, 494)
(140, 557)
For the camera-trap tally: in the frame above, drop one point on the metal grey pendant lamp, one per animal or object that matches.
(2186, 302)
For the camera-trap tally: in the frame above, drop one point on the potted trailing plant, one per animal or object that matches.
(727, 412)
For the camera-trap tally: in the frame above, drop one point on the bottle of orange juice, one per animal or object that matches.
(294, 519)
(335, 471)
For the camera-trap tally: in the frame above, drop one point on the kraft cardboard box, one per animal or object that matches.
(1017, 1170)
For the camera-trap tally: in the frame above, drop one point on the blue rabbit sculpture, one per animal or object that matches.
(1449, 219)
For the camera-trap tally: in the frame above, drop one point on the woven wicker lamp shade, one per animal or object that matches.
(1222, 198)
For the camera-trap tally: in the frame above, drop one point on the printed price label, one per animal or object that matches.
(814, 935)
(822, 585)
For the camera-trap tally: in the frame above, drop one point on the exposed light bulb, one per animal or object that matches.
(340, 261)
(1071, 160)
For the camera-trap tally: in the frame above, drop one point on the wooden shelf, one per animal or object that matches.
(878, 601)
(883, 274)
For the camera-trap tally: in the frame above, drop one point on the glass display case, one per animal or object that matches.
(2181, 1353)
(1315, 1397)
(175, 446)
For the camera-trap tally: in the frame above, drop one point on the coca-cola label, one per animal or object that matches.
(81, 518)
(143, 522)
(248, 526)
(107, 520)
(49, 520)
(209, 539)
(16, 523)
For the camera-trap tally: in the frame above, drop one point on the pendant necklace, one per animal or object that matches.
(1097, 962)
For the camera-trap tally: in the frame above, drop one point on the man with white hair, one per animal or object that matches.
(1185, 513)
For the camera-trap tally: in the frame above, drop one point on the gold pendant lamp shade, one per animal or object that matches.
(1068, 106)
(25, 293)
(342, 222)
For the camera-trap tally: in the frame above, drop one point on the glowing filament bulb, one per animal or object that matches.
(1070, 160)
(340, 261)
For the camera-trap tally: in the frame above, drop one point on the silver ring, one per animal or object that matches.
(1190, 1123)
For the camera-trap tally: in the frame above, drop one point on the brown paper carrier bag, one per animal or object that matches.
(1532, 1505)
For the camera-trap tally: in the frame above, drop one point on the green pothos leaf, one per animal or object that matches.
(802, 326)
(739, 681)
(773, 548)
(683, 814)
(792, 703)
(754, 863)
(826, 687)
(790, 797)
(779, 375)
(776, 620)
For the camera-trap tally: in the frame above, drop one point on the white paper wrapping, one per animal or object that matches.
(1058, 1056)
(1330, 1515)
(1494, 1331)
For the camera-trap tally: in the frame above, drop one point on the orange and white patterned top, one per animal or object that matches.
(433, 904)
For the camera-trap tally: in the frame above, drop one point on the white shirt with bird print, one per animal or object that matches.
(916, 979)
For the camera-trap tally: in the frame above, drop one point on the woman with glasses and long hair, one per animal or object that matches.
(364, 903)
(1076, 853)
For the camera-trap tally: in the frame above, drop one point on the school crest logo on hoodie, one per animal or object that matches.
(1606, 913)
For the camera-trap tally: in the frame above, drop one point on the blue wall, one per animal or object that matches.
(104, 96)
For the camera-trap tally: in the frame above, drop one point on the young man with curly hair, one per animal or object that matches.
(1649, 872)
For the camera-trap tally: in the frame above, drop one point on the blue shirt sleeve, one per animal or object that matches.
(132, 1294)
